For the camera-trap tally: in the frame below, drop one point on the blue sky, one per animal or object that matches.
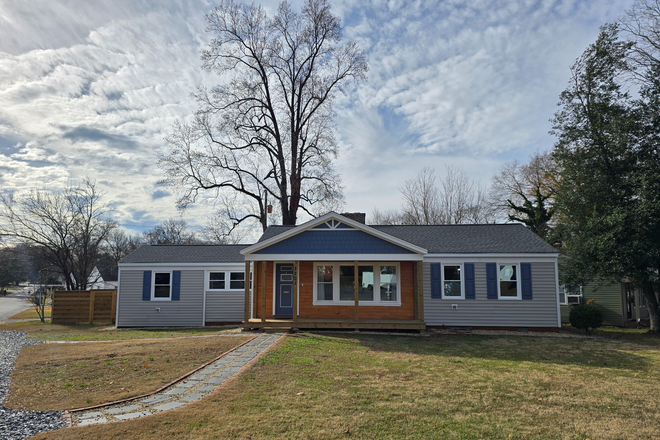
(92, 88)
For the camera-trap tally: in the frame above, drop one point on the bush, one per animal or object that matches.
(586, 317)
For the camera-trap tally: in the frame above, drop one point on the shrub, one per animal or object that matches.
(586, 317)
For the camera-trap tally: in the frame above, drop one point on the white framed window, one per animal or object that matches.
(452, 281)
(236, 280)
(225, 280)
(570, 294)
(161, 289)
(378, 283)
(216, 281)
(509, 281)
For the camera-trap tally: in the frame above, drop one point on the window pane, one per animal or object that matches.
(237, 280)
(216, 280)
(508, 273)
(452, 273)
(324, 291)
(562, 295)
(346, 283)
(324, 287)
(388, 283)
(366, 283)
(452, 289)
(324, 274)
(161, 291)
(162, 278)
(508, 288)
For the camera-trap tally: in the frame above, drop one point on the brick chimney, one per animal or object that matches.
(359, 217)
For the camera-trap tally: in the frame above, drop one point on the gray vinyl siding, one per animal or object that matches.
(133, 312)
(225, 305)
(541, 311)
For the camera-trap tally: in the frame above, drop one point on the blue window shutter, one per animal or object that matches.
(491, 281)
(436, 282)
(470, 289)
(526, 280)
(146, 286)
(176, 285)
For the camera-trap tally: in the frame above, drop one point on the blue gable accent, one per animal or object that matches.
(333, 242)
(322, 226)
(343, 226)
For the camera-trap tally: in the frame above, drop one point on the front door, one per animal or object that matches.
(284, 290)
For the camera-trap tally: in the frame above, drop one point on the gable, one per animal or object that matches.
(337, 241)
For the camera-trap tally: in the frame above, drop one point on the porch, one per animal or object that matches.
(260, 311)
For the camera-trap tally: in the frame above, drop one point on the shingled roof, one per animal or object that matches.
(196, 253)
(511, 238)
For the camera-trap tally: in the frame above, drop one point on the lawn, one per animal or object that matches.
(94, 332)
(335, 386)
(75, 375)
(31, 313)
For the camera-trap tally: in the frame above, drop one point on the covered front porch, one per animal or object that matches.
(367, 310)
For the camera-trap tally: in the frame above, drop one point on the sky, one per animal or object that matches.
(92, 88)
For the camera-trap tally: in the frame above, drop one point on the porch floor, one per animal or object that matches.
(306, 323)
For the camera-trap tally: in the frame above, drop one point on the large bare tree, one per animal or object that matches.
(66, 228)
(266, 133)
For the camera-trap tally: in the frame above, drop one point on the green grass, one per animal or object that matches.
(335, 386)
(45, 331)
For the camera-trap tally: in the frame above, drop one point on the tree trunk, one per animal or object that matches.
(652, 306)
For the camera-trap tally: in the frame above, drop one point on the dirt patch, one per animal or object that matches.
(67, 376)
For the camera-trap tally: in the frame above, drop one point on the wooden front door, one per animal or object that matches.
(284, 290)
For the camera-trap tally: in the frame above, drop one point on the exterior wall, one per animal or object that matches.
(609, 300)
(133, 312)
(224, 306)
(541, 311)
(306, 296)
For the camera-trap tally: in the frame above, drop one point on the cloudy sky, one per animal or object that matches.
(91, 88)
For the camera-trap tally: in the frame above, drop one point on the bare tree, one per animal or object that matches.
(641, 26)
(526, 192)
(267, 132)
(462, 200)
(457, 200)
(66, 228)
(421, 199)
(171, 231)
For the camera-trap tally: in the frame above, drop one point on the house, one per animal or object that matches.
(102, 277)
(336, 272)
(622, 305)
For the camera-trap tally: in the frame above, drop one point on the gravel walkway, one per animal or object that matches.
(20, 424)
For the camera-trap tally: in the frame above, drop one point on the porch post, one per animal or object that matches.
(295, 292)
(415, 290)
(263, 291)
(246, 314)
(357, 299)
(420, 287)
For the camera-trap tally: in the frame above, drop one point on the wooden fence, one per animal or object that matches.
(90, 306)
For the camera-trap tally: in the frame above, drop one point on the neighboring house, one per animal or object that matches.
(103, 277)
(621, 304)
(336, 272)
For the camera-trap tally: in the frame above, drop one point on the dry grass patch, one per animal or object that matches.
(451, 387)
(45, 331)
(68, 376)
(31, 313)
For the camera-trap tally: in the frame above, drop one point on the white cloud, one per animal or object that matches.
(91, 88)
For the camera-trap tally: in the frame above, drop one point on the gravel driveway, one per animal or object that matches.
(20, 424)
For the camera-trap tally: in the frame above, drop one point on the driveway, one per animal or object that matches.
(12, 304)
